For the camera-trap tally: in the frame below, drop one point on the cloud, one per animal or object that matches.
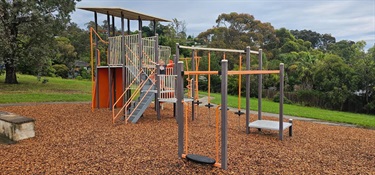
(344, 19)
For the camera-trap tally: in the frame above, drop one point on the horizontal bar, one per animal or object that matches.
(233, 72)
(253, 72)
(201, 72)
(254, 52)
(213, 49)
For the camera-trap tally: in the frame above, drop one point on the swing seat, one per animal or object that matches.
(200, 159)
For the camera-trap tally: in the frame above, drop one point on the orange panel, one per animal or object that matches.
(103, 89)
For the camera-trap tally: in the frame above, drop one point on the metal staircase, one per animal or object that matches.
(145, 98)
(141, 55)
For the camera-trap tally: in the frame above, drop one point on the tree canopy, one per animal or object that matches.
(28, 29)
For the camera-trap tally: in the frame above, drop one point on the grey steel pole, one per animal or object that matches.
(247, 90)
(179, 109)
(193, 85)
(157, 48)
(224, 114)
(260, 82)
(157, 78)
(176, 57)
(175, 60)
(281, 102)
(96, 62)
(108, 62)
(128, 21)
(113, 26)
(156, 73)
(124, 98)
(140, 51)
(139, 23)
(155, 27)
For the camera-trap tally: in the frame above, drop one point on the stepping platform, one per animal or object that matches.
(268, 124)
(200, 159)
(273, 125)
(16, 127)
(173, 100)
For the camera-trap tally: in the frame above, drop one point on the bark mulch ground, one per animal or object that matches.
(70, 139)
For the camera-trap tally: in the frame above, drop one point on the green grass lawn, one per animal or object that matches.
(30, 89)
(363, 120)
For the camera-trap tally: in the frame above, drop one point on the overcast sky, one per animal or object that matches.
(344, 19)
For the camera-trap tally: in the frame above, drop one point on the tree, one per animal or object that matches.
(335, 78)
(317, 40)
(345, 49)
(240, 30)
(79, 39)
(65, 54)
(28, 29)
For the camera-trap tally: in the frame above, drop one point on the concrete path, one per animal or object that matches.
(204, 101)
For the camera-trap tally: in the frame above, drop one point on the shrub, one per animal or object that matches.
(61, 70)
(79, 77)
(276, 98)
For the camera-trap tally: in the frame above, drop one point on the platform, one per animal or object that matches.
(268, 124)
(173, 100)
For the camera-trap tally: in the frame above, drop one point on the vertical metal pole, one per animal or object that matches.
(156, 75)
(155, 27)
(247, 90)
(179, 105)
(224, 114)
(108, 62)
(124, 98)
(260, 76)
(157, 103)
(128, 21)
(192, 85)
(114, 70)
(157, 48)
(113, 26)
(281, 101)
(139, 24)
(140, 50)
(96, 62)
(175, 60)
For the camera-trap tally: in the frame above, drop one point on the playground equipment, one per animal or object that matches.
(122, 80)
(260, 124)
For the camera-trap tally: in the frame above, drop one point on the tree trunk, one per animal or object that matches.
(10, 74)
(10, 58)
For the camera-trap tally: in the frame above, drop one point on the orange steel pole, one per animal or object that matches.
(239, 84)
(98, 63)
(209, 78)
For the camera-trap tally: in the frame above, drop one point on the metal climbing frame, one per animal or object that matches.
(260, 124)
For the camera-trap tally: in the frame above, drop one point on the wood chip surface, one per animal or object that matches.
(71, 139)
